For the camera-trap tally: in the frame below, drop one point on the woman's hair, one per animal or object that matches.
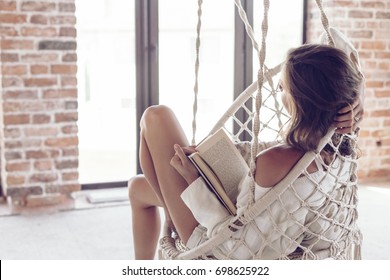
(320, 80)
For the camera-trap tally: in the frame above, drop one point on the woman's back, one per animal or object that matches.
(307, 218)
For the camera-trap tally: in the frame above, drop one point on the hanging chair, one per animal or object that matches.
(315, 222)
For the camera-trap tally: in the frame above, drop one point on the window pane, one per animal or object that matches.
(285, 26)
(177, 27)
(106, 89)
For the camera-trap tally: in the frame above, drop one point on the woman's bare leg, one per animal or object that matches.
(160, 130)
(145, 216)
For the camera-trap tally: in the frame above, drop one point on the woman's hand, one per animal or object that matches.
(183, 165)
(349, 117)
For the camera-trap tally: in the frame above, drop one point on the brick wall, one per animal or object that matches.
(38, 112)
(367, 24)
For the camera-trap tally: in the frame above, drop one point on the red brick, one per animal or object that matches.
(69, 81)
(69, 57)
(365, 55)
(12, 144)
(360, 14)
(70, 176)
(69, 129)
(382, 93)
(372, 24)
(17, 44)
(16, 119)
(66, 117)
(373, 4)
(20, 94)
(8, 82)
(7, 5)
(9, 57)
(375, 45)
(8, 31)
(360, 34)
(39, 69)
(12, 155)
(64, 69)
(379, 173)
(65, 188)
(384, 65)
(67, 7)
(67, 164)
(14, 180)
(18, 166)
(41, 119)
(38, 154)
(40, 131)
(364, 133)
(12, 18)
(39, 19)
(68, 32)
(63, 20)
(343, 3)
(43, 177)
(374, 84)
(12, 132)
(381, 133)
(383, 15)
(14, 70)
(34, 57)
(60, 94)
(12, 107)
(44, 165)
(385, 142)
(37, 6)
(382, 55)
(71, 105)
(38, 32)
(67, 152)
(23, 191)
(40, 82)
(62, 142)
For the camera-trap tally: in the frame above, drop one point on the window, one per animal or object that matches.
(106, 89)
(108, 96)
(177, 39)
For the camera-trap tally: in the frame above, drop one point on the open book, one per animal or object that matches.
(221, 166)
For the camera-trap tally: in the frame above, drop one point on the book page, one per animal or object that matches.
(225, 160)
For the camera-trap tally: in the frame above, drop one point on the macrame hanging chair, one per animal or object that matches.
(324, 225)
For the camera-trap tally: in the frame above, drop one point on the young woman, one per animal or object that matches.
(320, 89)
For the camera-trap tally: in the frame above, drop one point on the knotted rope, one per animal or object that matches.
(196, 87)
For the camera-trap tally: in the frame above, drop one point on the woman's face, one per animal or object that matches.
(286, 97)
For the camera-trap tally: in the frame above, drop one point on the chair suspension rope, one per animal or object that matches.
(196, 87)
(325, 23)
(258, 101)
(248, 27)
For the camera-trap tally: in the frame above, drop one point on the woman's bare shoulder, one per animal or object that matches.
(273, 164)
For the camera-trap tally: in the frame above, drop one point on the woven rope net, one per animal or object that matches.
(308, 215)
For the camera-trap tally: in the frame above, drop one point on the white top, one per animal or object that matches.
(288, 223)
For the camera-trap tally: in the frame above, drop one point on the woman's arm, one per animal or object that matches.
(203, 204)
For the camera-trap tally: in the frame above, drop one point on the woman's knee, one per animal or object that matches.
(156, 115)
(134, 186)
